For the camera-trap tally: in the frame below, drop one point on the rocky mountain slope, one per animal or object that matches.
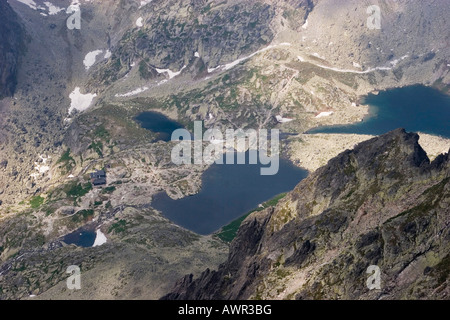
(12, 47)
(382, 203)
(142, 257)
(229, 63)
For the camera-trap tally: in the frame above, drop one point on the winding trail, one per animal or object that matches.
(345, 70)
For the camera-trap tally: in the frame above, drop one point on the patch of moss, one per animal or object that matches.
(118, 227)
(432, 197)
(76, 190)
(109, 189)
(97, 147)
(442, 270)
(82, 215)
(144, 73)
(228, 232)
(36, 202)
(66, 161)
(101, 132)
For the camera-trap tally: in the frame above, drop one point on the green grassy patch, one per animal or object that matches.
(36, 202)
(228, 232)
(66, 162)
(97, 147)
(431, 198)
(118, 227)
(82, 215)
(110, 189)
(75, 190)
(442, 270)
(101, 132)
(144, 72)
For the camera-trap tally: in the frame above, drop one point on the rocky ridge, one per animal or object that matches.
(12, 48)
(271, 62)
(272, 58)
(382, 203)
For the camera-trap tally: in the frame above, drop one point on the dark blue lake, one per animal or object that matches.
(158, 123)
(228, 192)
(81, 237)
(415, 108)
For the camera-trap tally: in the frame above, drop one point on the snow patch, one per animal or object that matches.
(107, 54)
(396, 61)
(90, 58)
(138, 90)
(29, 3)
(99, 239)
(52, 9)
(280, 119)
(41, 166)
(144, 3)
(197, 55)
(132, 93)
(324, 114)
(305, 25)
(315, 54)
(170, 72)
(210, 70)
(80, 101)
(139, 22)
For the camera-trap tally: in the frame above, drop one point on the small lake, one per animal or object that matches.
(415, 108)
(158, 123)
(228, 192)
(82, 237)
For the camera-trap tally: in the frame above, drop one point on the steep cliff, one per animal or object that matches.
(382, 203)
(12, 45)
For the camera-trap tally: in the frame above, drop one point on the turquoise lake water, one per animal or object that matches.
(229, 191)
(415, 108)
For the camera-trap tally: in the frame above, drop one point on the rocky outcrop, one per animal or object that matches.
(382, 203)
(12, 46)
(219, 33)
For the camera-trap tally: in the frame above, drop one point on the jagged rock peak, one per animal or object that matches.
(382, 203)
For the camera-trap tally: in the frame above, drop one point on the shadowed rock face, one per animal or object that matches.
(382, 203)
(11, 48)
(317, 243)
